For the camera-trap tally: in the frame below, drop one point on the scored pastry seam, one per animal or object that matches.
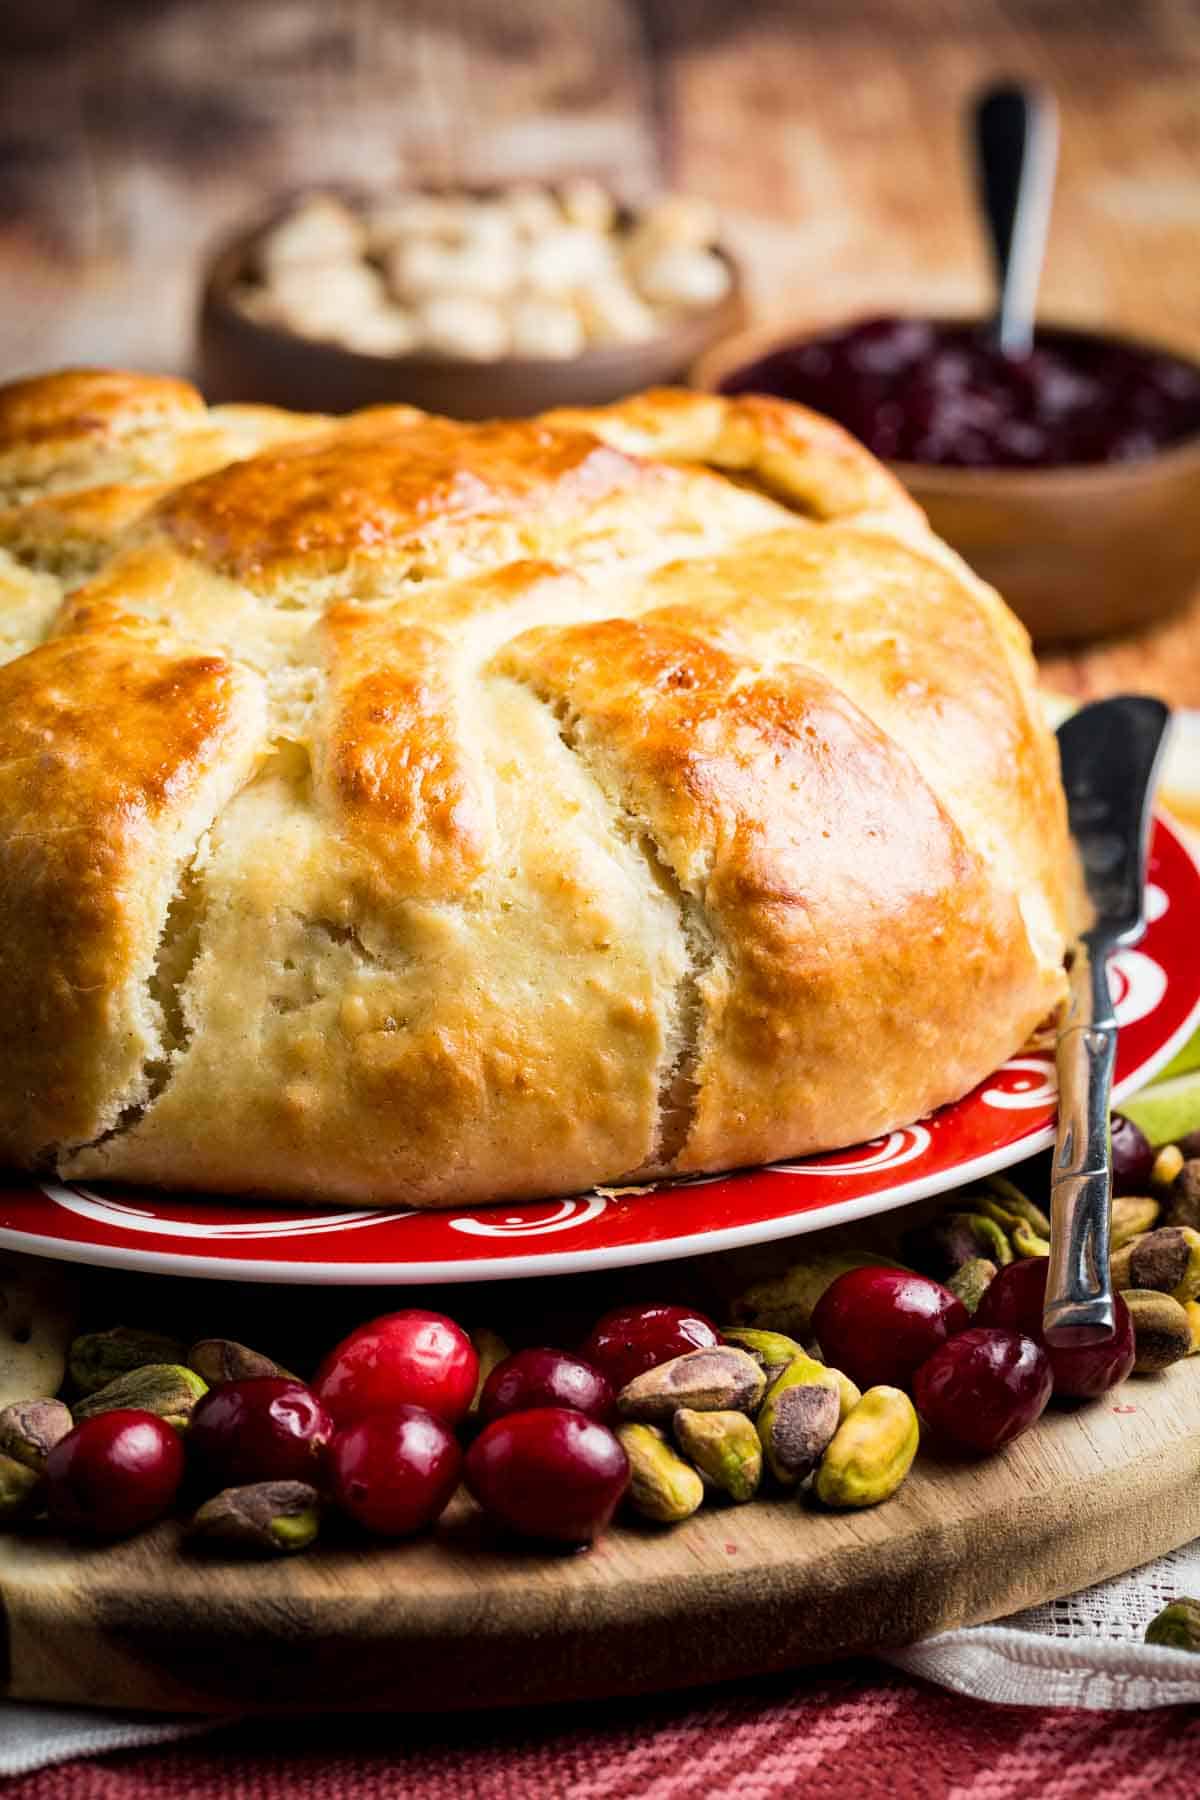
(678, 1086)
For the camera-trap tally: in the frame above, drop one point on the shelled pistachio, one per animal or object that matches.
(871, 1452)
(725, 1448)
(662, 1486)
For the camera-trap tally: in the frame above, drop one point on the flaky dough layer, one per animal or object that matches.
(399, 811)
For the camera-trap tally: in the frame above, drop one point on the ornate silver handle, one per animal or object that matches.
(1079, 1301)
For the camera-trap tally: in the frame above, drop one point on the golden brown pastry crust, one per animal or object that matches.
(400, 811)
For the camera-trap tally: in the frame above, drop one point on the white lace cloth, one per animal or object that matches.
(1084, 1651)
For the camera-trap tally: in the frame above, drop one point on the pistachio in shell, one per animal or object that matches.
(771, 1350)
(266, 1518)
(1131, 1216)
(1184, 1253)
(1008, 1198)
(169, 1390)
(99, 1357)
(29, 1430)
(662, 1486)
(1166, 1260)
(724, 1446)
(1192, 1309)
(218, 1360)
(1162, 1330)
(798, 1418)
(721, 1379)
(1026, 1242)
(20, 1491)
(1183, 1196)
(871, 1452)
(1021, 1225)
(970, 1283)
(1119, 1263)
(954, 1239)
(1177, 1626)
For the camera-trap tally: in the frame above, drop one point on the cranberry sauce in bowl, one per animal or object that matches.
(939, 393)
(1068, 478)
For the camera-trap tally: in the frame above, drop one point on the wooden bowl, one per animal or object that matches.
(1079, 551)
(241, 359)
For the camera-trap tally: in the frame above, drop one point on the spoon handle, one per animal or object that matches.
(1016, 151)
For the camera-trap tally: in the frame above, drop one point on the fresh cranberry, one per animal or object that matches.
(535, 1378)
(548, 1474)
(266, 1428)
(1132, 1157)
(631, 1339)
(395, 1471)
(877, 1324)
(1015, 1300)
(983, 1388)
(113, 1474)
(410, 1358)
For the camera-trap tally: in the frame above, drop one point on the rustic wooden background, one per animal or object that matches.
(134, 133)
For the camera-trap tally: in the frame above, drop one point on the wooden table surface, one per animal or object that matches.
(133, 137)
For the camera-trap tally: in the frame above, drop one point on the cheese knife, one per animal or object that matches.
(1109, 752)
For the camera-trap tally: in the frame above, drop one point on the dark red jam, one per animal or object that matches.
(915, 390)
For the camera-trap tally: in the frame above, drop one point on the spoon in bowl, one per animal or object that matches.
(1015, 134)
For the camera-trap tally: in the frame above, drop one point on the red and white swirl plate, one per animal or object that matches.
(1006, 1118)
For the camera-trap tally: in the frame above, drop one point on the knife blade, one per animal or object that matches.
(1110, 752)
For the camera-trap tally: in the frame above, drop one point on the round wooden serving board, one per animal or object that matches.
(454, 1620)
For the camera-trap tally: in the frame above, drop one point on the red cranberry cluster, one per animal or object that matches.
(916, 390)
(977, 1384)
(376, 1432)
(546, 1464)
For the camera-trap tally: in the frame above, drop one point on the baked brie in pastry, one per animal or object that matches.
(395, 811)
